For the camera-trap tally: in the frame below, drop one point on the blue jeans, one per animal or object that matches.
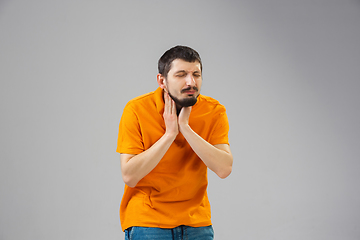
(178, 233)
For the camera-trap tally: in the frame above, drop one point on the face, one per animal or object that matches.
(183, 82)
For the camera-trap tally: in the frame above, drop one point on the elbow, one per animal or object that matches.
(225, 172)
(226, 169)
(129, 181)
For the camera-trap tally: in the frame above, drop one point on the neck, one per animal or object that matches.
(178, 109)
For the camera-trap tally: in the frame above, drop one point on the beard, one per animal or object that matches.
(186, 102)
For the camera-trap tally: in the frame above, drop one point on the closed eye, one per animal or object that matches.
(180, 75)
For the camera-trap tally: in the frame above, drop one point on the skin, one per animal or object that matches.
(218, 158)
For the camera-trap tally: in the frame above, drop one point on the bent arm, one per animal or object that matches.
(135, 167)
(216, 157)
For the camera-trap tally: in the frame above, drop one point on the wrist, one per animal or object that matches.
(184, 127)
(170, 135)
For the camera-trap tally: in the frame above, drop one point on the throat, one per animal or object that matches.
(178, 109)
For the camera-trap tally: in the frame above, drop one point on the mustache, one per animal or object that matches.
(189, 88)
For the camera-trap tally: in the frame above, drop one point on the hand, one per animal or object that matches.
(170, 117)
(184, 116)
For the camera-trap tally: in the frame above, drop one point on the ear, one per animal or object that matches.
(161, 81)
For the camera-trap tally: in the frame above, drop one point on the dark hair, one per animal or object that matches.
(178, 52)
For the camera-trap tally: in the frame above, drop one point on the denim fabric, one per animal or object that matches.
(178, 233)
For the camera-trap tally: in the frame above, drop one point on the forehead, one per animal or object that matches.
(181, 65)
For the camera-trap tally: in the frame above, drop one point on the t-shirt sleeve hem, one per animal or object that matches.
(129, 151)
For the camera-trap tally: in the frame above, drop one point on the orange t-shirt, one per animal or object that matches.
(174, 192)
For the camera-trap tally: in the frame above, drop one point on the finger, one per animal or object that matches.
(170, 104)
(173, 107)
(186, 109)
(167, 103)
(185, 112)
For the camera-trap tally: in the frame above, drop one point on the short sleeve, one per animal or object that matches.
(130, 138)
(221, 130)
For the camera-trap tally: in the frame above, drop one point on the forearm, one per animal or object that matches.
(136, 167)
(218, 159)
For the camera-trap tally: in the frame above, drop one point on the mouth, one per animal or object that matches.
(190, 91)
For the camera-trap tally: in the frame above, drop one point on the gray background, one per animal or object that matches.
(287, 71)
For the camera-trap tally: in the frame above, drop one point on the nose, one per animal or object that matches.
(190, 81)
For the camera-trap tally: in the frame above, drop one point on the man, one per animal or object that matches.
(167, 140)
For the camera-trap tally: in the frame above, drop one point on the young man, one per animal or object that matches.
(167, 140)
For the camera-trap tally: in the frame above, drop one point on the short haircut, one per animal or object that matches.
(178, 52)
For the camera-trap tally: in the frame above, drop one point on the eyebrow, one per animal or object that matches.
(183, 71)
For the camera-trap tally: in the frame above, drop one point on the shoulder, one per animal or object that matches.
(209, 103)
(141, 101)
